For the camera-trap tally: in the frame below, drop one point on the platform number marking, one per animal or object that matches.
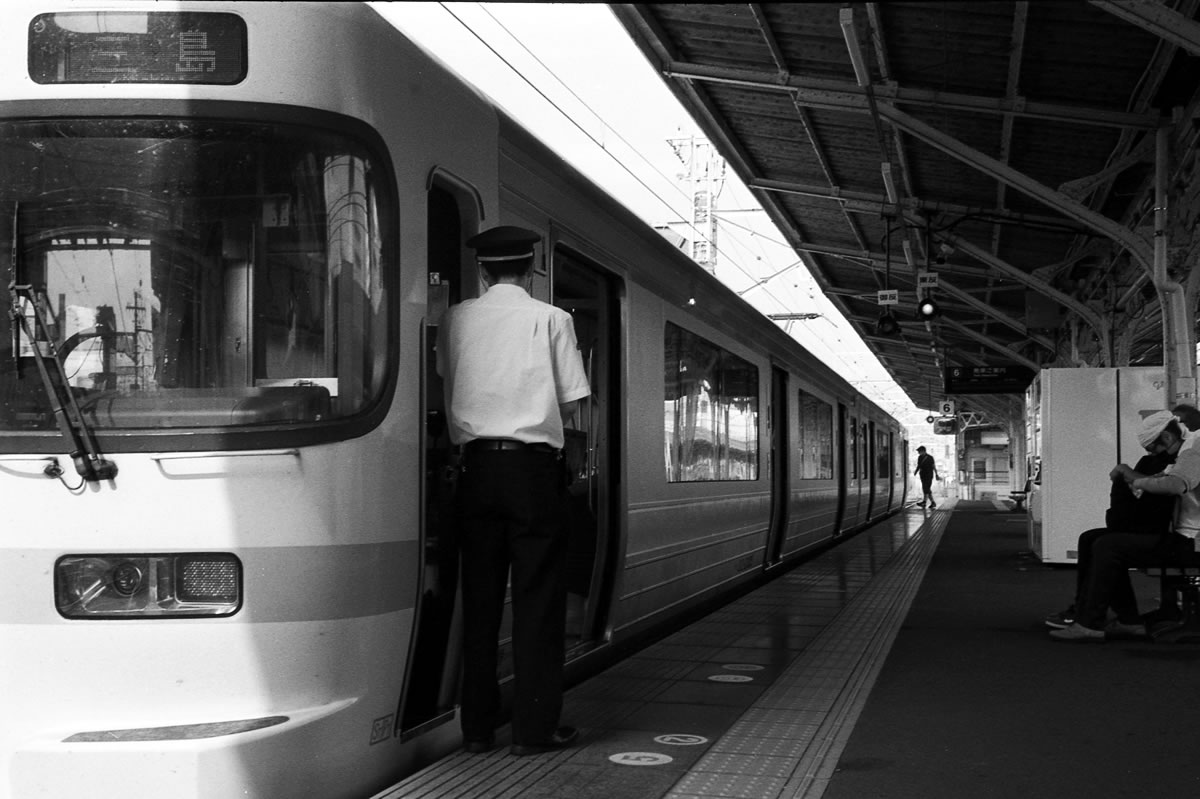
(681, 739)
(640, 759)
(381, 729)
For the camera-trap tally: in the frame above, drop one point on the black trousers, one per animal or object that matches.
(1107, 584)
(1121, 597)
(512, 513)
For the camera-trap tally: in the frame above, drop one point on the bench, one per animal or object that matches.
(1019, 497)
(1184, 578)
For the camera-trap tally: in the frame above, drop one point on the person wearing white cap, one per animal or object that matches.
(1113, 555)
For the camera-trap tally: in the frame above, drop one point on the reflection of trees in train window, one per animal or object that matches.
(710, 411)
(816, 438)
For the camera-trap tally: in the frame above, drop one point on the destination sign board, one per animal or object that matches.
(1011, 379)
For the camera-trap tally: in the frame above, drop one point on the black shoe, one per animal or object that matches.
(477, 746)
(559, 739)
(1062, 619)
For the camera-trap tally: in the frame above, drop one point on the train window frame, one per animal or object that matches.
(386, 240)
(684, 461)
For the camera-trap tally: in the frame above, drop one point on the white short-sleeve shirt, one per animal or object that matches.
(508, 362)
(1187, 468)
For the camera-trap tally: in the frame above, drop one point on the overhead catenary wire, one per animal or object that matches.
(825, 343)
(516, 71)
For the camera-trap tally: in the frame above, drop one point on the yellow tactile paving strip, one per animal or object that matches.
(811, 708)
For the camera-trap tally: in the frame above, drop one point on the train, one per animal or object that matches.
(229, 232)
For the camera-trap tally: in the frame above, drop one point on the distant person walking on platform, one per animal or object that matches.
(513, 374)
(927, 470)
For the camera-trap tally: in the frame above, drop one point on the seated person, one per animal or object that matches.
(1107, 583)
(1149, 514)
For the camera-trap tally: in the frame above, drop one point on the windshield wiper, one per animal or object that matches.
(89, 462)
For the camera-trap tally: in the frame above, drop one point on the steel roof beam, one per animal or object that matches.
(996, 314)
(1158, 19)
(1138, 247)
(846, 96)
(990, 343)
(865, 202)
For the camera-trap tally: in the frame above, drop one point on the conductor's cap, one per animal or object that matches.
(503, 243)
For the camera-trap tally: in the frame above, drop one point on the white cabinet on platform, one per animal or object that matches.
(1081, 423)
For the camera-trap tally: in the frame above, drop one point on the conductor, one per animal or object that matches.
(512, 374)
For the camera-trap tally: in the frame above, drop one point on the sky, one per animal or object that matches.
(570, 73)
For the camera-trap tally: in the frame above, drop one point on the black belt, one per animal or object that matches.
(507, 443)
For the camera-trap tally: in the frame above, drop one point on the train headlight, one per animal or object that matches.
(126, 579)
(148, 586)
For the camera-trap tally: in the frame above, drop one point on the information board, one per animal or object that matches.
(1012, 379)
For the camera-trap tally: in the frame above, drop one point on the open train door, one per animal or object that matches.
(430, 688)
(591, 296)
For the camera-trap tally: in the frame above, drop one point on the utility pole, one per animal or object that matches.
(137, 355)
(704, 169)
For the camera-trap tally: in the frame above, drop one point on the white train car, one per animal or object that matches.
(229, 230)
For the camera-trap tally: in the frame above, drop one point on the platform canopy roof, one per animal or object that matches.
(1007, 147)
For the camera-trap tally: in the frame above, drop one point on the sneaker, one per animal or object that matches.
(1077, 633)
(1062, 619)
(1119, 629)
(932, 506)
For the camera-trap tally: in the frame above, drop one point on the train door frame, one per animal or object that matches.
(870, 467)
(597, 465)
(843, 473)
(891, 465)
(779, 420)
(428, 695)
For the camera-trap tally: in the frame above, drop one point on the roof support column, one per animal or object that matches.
(1179, 346)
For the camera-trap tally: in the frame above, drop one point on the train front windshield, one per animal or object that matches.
(188, 274)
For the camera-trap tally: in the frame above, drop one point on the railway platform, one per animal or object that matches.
(909, 661)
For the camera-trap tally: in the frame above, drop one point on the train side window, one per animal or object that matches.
(711, 411)
(816, 438)
(883, 455)
(853, 428)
